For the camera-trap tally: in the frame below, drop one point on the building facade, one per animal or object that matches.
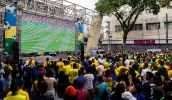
(149, 31)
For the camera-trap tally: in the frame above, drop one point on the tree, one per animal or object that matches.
(134, 7)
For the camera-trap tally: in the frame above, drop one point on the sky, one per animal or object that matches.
(90, 4)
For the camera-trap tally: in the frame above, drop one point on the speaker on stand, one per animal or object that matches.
(82, 52)
(16, 51)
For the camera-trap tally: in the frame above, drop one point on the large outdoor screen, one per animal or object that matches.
(43, 34)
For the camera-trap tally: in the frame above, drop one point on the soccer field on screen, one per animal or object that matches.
(37, 37)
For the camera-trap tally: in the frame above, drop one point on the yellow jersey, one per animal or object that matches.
(60, 65)
(20, 92)
(72, 74)
(71, 64)
(119, 69)
(142, 66)
(167, 68)
(66, 69)
(46, 63)
(32, 63)
(170, 73)
(15, 97)
(36, 85)
(10, 70)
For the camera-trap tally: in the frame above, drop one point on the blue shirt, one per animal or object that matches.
(34, 69)
(101, 89)
(21, 64)
(2, 85)
(36, 74)
(80, 78)
(113, 76)
(53, 74)
(140, 97)
(86, 64)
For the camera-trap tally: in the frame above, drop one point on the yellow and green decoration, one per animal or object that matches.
(80, 34)
(10, 27)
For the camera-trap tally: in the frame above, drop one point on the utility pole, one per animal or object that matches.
(107, 30)
(166, 32)
(159, 35)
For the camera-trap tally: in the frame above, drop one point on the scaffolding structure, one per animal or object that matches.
(2, 17)
(59, 9)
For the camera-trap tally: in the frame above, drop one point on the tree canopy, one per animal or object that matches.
(134, 7)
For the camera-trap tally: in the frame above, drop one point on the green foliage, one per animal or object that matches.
(113, 7)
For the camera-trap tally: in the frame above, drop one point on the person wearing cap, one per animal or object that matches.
(128, 96)
(34, 69)
(14, 95)
(20, 90)
(70, 93)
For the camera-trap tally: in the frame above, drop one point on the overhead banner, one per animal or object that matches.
(80, 34)
(10, 27)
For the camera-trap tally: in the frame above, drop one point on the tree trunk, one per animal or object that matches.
(124, 41)
(123, 46)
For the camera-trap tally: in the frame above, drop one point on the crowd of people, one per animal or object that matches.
(113, 76)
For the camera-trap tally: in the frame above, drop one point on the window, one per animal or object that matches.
(123, 13)
(152, 26)
(118, 28)
(169, 7)
(169, 25)
(137, 27)
(149, 11)
(138, 12)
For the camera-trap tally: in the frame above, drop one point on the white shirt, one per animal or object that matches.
(3, 64)
(89, 81)
(100, 60)
(143, 74)
(127, 63)
(2, 72)
(100, 69)
(104, 60)
(153, 72)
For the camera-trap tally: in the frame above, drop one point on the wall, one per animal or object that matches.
(143, 19)
(132, 47)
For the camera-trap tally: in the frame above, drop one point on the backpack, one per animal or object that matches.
(48, 65)
(104, 94)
